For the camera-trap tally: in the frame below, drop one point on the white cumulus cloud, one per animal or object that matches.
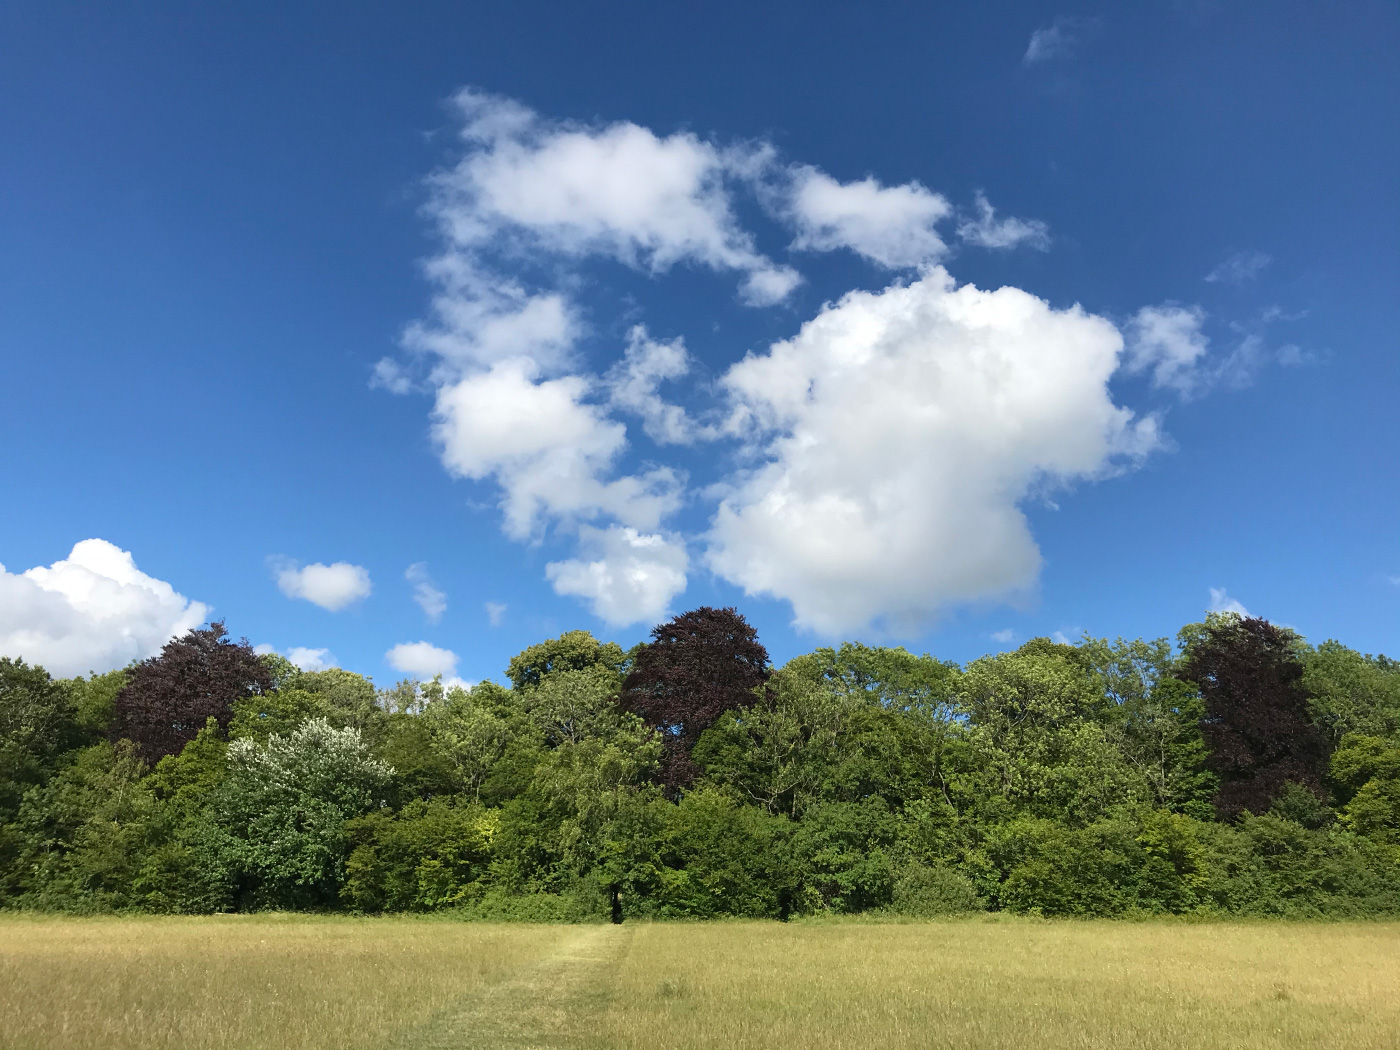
(332, 587)
(615, 189)
(626, 577)
(548, 448)
(901, 430)
(891, 225)
(92, 611)
(425, 592)
(886, 449)
(422, 660)
(312, 659)
(304, 658)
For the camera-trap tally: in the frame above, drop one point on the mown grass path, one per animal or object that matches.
(551, 1004)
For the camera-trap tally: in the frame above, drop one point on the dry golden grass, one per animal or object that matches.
(987, 984)
(243, 982)
(289, 982)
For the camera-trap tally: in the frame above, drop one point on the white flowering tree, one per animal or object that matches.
(284, 807)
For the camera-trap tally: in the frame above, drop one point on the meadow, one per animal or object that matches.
(264, 981)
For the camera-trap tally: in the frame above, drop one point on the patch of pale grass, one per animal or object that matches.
(981, 984)
(244, 982)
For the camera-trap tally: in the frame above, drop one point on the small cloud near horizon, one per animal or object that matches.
(1220, 602)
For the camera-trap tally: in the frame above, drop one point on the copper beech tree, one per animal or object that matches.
(196, 677)
(1257, 727)
(697, 666)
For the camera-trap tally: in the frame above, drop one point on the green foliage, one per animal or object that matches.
(716, 857)
(1366, 772)
(1035, 744)
(39, 721)
(84, 832)
(280, 711)
(431, 854)
(571, 651)
(1059, 779)
(1351, 693)
(282, 810)
(847, 853)
(925, 891)
(1154, 719)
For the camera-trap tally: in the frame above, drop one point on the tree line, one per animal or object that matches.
(1237, 771)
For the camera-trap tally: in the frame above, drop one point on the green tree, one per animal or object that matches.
(1035, 745)
(1154, 719)
(39, 721)
(434, 853)
(1351, 693)
(283, 809)
(86, 831)
(1366, 772)
(571, 651)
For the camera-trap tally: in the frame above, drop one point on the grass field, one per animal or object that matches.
(283, 982)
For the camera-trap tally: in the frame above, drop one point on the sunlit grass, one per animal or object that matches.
(242, 981)
(275, 981)
(990, 984)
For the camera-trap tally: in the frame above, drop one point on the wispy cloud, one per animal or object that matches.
(1220, 602)
(432, 601)
(987, 231)
(495, 613)
(1240, 268)
(1061, 39)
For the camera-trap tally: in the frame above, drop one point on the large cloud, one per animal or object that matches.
(92, 611)
(529, 199)
(902, 430)
(618, 190)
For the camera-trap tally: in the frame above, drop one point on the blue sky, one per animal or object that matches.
(217, 234)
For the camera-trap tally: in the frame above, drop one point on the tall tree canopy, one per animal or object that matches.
(197, 677)
(697, 666)
(1257, 725)
(683, 779)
